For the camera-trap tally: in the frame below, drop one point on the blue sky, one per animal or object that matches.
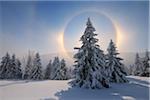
(36, 25)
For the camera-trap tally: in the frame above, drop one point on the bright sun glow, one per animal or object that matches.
(60, 40)
(119, 35)
(61, 48)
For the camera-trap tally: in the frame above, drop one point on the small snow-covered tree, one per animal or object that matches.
(5, 64)
(138, 65)
(48, 70)
(19, 72)
(115, 69)
(131, 70)
(28, 67)
(90, 63)
(36, 72)
(61, 71)
(64, 69)
(55, 65)
(11, 69)
(146, 65)
(70, 73)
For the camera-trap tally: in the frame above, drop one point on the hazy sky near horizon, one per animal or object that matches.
(37, 25)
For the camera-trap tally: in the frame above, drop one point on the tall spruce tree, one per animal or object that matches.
(115, 69)
(48, 70)
(36, 72)
(5, 64)
(90, 62)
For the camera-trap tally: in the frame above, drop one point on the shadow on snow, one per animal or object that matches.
(117, 91)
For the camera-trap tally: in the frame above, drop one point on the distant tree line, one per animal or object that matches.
(141, 66)
(10, 68)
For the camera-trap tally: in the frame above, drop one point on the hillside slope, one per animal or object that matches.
(136, 89)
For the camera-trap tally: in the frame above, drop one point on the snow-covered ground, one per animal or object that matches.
(136, 89)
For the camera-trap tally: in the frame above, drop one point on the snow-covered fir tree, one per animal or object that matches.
(64, 69)
(146, 65)
(115, 69)
(138, 65)
(28, 67)
(48, 70)
(55, 65)
(36, 72)
(5, 64)
(61, 71)
(14, 71)
(90, 62)
(11, 69)
(19, 72)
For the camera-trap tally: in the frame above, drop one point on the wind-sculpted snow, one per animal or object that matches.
(136, 89)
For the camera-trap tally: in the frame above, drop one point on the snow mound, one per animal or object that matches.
(136, 89)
